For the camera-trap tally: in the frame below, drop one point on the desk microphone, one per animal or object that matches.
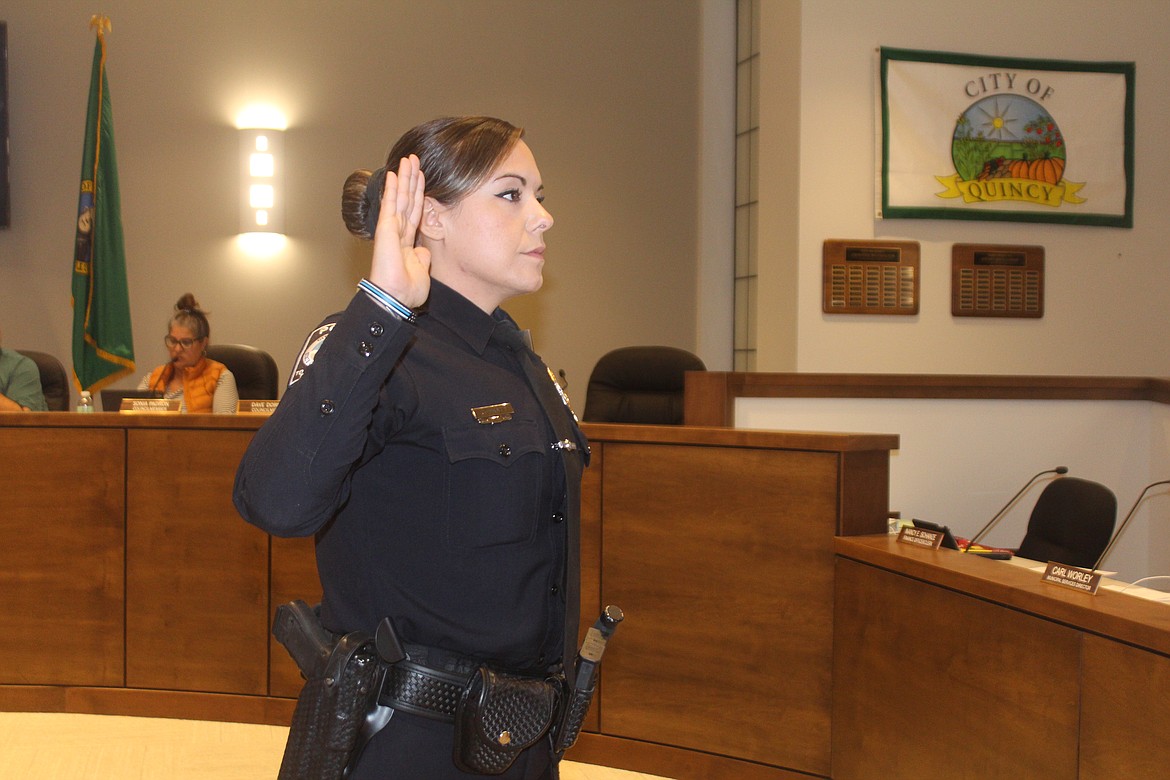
(1000, 513)
(1132, 509)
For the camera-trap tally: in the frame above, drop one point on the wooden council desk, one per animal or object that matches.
(131, 586)
(952, 666)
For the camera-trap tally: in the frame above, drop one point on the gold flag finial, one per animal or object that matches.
(100, 23)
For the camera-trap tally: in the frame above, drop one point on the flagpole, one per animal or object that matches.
(100, 24)
(103, 343)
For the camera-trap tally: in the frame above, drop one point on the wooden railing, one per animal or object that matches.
(710, 395)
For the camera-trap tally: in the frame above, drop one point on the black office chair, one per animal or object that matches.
(1071, 523)
(256, 374)
(54, 380)
(639, 385)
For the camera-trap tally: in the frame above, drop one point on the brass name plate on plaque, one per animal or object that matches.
(870, 277)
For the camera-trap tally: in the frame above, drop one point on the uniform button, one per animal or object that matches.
(366, 348)
(555, 589)
(327, 407)
(376, 329)
(558, 517)
(505, 450)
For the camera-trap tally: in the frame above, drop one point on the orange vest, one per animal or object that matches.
(199, 383)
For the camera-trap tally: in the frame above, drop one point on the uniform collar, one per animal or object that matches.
(462, 317)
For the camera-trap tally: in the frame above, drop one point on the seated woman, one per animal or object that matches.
(200, 384)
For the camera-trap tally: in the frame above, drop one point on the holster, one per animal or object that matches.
(341, 683)
(579, 695)
(568, 727)
(499, 715)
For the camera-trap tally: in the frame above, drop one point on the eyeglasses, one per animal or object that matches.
(173, 342)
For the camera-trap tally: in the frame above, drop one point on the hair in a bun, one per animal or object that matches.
(456, 155)
(190, 316)
(355, 204)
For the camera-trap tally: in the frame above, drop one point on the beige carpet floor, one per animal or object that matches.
(54, 746)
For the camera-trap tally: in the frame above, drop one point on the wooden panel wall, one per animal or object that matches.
(947, 665)
(931, 683)
(1125, 711)
(196, 575)
(294, 576)
(717, 543)
(62, 555)
(722, 560)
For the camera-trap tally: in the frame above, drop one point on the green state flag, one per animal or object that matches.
(103, 344)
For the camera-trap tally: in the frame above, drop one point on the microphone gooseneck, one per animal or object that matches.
(995, 518)
(1128, 517)
(160, 385)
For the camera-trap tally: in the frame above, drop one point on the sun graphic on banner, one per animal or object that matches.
(997, 119)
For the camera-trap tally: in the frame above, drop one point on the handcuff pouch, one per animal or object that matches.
(500, 715)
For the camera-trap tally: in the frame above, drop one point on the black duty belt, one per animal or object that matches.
(420, 690)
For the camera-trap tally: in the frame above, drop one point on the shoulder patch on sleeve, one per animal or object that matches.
(309, 351)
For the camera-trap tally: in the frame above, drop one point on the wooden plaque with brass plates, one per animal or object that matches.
(994, 280)
(870, 277)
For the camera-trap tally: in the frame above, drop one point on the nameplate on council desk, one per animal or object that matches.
(921, 537)
(149, 406)
(251, 406)
(1084, 580)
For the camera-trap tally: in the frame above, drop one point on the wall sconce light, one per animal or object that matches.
(261, 180)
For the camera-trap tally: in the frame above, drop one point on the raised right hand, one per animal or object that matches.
(399, 267)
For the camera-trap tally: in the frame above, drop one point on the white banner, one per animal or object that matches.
(974, 137)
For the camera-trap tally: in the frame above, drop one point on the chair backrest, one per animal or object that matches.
(1071, 523)
(639, 385)
(54, 380)
(256, 374)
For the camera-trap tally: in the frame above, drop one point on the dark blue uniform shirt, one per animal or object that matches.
(463, 531)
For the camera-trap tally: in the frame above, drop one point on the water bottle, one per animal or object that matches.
(85, 402)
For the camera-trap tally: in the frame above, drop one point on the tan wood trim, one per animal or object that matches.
(710, 395)
(148, 703)
(811, 441)
(667, 434)
(216, 422)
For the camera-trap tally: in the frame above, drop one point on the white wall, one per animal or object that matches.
(609, 92)
(1107, 288)
(960, 461)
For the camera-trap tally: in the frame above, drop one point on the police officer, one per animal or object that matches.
(432, 454)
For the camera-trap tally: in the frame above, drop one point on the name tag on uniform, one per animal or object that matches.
(490, 415)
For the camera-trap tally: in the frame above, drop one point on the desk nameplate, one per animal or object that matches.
(1084, 580)
(920, 537)
(251, 406)
(149, 406)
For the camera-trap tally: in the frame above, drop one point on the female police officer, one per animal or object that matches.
(437, 470)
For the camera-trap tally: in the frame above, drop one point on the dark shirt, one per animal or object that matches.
(460, 530)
